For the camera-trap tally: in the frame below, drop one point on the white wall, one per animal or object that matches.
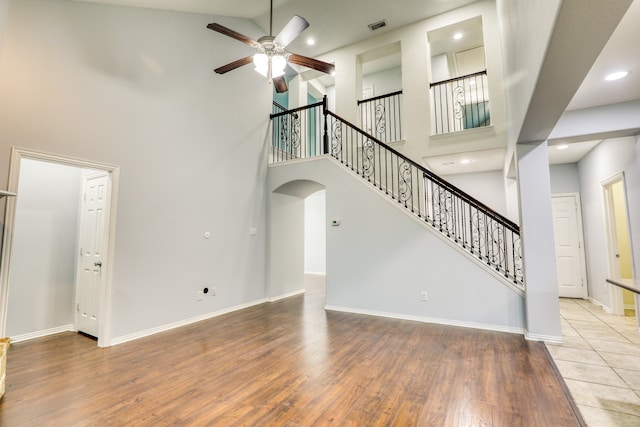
(43, 259)
(379, 259)
(134, 87)
(286, 244)
(609, 158)
(315, 248)
(488, 187)
(525, 28)
(564, 178)
(416, 76)
(384, 82)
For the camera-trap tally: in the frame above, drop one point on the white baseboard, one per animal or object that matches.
(43, 333)
(313, 273)
(551, 339)
(287, 295)
(167, 327)
(424, 319)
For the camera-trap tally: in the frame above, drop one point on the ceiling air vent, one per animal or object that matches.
(377, 25)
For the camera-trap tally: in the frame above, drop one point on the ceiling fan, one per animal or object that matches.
(271, 57)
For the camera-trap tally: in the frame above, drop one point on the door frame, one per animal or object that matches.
(113, 172)
(615, 292)
(583, 258)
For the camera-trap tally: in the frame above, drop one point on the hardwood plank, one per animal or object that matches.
(288, 363)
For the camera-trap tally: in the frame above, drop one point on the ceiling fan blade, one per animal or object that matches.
(293, 29)
(280, 84)
(305, 61)
(233, 34)
(233, 65)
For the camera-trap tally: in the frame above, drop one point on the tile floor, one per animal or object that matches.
(599, 360)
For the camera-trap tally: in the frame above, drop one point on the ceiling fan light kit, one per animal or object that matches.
(271, 58)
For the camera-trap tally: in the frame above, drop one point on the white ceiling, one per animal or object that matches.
(336, 23)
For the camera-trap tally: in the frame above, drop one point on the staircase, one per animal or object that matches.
(313, 130)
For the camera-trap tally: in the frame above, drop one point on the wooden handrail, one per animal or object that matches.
(375, 98)
(479, 73)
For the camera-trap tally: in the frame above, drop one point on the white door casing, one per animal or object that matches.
(568, 236)
(93, 244)
(614, 272)
(17, 154)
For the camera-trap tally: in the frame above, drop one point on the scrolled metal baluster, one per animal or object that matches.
(404, 182)
(336, 139)
(381, 123)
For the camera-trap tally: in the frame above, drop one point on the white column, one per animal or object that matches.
(542, 306)
(297, 92)
(416, 120)
(348, 86)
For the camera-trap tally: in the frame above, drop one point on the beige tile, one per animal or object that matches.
(624, 328)
(623, 361)
(633, 337)
(617, 399)
(589, 373)
(587, 325)
(597, 417)
(614, 347)
(577, 355)
(569, 332)
(616, 320)
(579, 315)
(632, 378)
(575, 342)
(609, 335)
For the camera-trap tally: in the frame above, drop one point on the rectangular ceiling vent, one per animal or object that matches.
(377, 25)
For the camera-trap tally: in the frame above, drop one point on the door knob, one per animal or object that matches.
(98, 264)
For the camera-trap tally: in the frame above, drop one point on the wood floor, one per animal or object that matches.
(288, 363)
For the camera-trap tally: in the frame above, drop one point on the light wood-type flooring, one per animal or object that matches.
(288, 363)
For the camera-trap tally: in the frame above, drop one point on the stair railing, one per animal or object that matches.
(473, 226)
(460, 103)
(381, 116)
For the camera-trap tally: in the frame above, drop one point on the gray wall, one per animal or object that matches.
(609, 158)
(564, 178)
(379, 258)
(488, 187)
(43, 257)
(134, 87)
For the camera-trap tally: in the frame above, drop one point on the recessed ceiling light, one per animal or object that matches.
(562, 147)
(616, 76)
(311, 41)
(457, 36)
(465, 161)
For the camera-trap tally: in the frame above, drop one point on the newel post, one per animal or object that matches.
(325, 134)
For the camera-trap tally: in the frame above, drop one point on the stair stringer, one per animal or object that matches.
(381, 257)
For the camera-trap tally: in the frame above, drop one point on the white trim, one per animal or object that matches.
(616, 297)
(315, 273)
(163, 328)
(44, 333)
(17, 154)
(287, 295)
(424, 319)
(550, 339)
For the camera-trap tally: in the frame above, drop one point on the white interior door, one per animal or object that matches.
(93, 234)
(567, 230)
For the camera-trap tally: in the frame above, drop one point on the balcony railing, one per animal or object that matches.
(461, 103)
(296, 133)
(381, 116)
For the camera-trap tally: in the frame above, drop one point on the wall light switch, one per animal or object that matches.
(253, 231)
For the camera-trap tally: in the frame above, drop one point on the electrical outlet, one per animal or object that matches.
(213, 292)
(423, 296)
(199, 296)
